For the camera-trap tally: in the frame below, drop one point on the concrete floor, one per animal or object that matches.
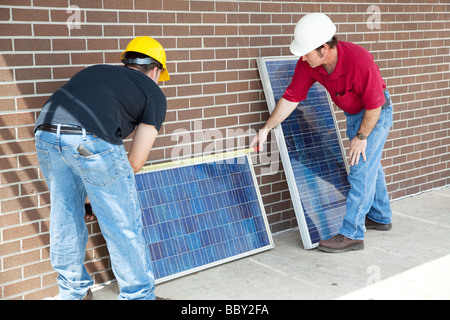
(411, 261)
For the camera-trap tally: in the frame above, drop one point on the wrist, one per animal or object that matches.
(361, 136)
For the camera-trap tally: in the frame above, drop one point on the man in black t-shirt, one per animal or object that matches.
(79, 143)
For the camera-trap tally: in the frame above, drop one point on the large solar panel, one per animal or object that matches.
(311, 152)
(198, 213)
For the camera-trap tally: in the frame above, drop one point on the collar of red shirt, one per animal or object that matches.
(341, 65)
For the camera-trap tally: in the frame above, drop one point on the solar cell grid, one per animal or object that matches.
(311, 153)
(199, 215)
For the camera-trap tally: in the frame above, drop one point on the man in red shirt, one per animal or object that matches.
(354, 83)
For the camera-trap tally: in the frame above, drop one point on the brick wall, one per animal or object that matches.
(215, 94)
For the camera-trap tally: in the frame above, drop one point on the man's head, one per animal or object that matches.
(313, 31)
(144, 64)
(321, 54)
(148, 56)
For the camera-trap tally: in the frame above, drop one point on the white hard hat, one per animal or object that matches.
(312, 31)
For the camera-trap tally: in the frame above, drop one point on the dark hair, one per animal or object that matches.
(144, 68)
(332, 43)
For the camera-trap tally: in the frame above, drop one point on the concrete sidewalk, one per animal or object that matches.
(411, 261)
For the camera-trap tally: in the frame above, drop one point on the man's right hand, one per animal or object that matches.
(260, 139)
(282, 110)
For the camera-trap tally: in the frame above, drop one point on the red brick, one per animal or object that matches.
(4, 14)
(100, 16)
(68, 44)
(33, 74)
(15, 29)
(51, 59)
(50, 3)
(87, 3)
(148, 5)
(178, 5)
(117, 4)
(30, 15)
(16, 89)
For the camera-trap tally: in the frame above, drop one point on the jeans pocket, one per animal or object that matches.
(388, 118)
(99, 169)
(44, 163)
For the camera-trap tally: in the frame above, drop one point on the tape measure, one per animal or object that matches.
(221, 156)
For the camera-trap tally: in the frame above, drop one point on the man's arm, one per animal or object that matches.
(143, 140)
(369, 121)
(357, 146)
(283, 109)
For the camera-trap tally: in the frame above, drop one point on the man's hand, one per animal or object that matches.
(260, 139)
(88, 214)
(357, 148)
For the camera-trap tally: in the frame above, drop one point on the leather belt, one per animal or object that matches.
(65, 129)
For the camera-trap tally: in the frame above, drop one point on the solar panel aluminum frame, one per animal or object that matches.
(279, 136)
(207, 159)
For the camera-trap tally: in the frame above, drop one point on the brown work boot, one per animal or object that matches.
(370, 224)
(88, 295)
(160, 298)
(340, 243)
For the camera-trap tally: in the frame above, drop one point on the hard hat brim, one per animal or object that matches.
(164, 75)
(297, 51)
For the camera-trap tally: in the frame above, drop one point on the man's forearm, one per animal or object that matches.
(143, 139)
(283, 109)
(369, 121)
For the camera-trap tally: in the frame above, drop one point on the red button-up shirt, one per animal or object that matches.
(355, 83)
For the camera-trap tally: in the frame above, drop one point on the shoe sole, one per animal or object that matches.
(354, 247)
(381, 227)
(88, 295)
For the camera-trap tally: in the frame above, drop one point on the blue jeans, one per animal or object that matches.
(368, 194)
(108, 179)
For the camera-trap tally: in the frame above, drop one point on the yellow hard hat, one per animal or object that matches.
(152, 48)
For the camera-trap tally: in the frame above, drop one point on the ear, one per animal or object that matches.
(154, 74)
(326, 47)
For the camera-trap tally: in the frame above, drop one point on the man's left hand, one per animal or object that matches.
(357, 147)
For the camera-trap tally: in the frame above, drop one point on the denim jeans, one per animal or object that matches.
(108, 179)
(368, 194)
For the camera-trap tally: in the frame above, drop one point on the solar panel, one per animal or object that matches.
(311, 152)
(201, 212)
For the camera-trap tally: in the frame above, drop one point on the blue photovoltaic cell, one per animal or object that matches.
(199, 215)
(312, 155)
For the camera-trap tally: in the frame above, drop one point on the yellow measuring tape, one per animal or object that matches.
(212, 157)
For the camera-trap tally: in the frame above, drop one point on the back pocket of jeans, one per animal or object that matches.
(44, 164)
(99, 169)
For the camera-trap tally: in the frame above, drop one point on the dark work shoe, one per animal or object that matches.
(340, 243)
(88, 295)
(370, 224)
(160, 298)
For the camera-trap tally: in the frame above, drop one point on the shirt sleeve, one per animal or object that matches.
(155, 111)
(373, 87)
(301, 83)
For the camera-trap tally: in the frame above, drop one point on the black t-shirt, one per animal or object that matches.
(108, 101)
